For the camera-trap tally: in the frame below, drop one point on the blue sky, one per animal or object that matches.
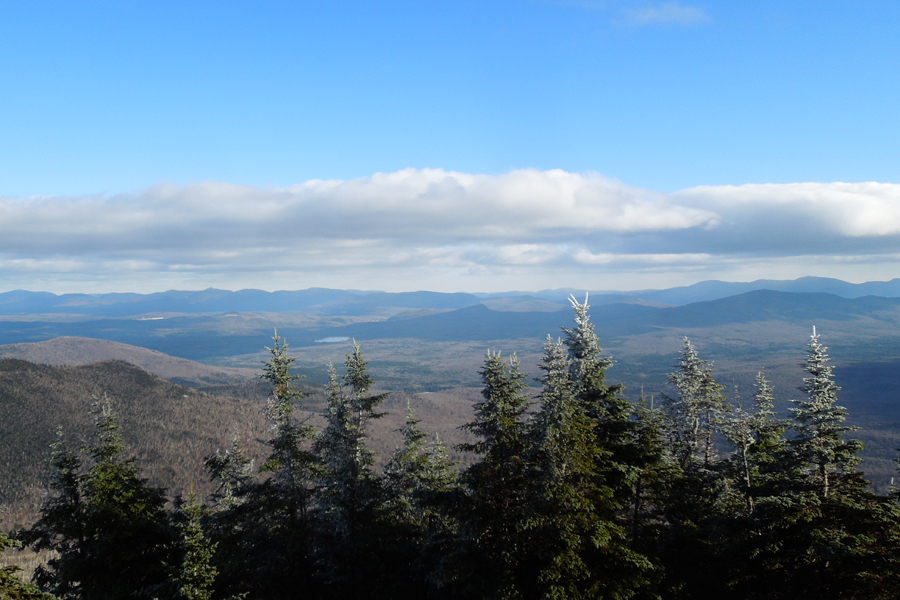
(126, 128)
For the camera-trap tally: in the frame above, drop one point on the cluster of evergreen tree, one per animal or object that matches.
(581, 494)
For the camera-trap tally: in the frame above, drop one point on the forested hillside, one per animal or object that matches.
(575, 493)
(169, 428)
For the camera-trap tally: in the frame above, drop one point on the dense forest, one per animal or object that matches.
(577, 494)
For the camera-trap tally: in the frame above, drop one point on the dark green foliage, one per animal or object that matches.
(620, 459)
(587, 496)
(350, 496)
(828, 460)
(488, 559)
(263, 527)
(108, 526)
(198, 574)
(416, 474)
(11, 586)
(418, 478)
(566, 527)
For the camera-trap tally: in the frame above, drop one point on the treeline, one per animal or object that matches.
(581, 495)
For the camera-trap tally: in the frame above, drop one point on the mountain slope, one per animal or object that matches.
(71, 351)
(168, 427)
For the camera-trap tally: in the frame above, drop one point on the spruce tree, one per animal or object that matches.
(418, 478)
(760, 445)
(263, 527)
(577, 541)
(198, 574)
(819, 426)
(487, 560)
(611, 436)
(350, 495)
(815, 531)
(699, 495)
(107, 525)
(694, 411)
(291, 461)
(11, 585)
(416, 472)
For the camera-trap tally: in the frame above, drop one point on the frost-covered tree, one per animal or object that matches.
(416, 472)
(263, 526)
(419, 477)
(350, 495)
(760, 444)
(291, 461)
(694, 412)
(347, 487)
(577, 541)
(819, 425)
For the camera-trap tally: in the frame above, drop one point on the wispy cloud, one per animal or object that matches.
(673, 13)
(439, 229)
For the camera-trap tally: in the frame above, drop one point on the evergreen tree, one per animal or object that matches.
(819, 425)
(694, 412)
(350, 495)
(291, 461)
(418, 477)
(487, 560)
(760, 445)
(11, 586)
(107, 525)
(198, 574)
(263, 528)
(563, 523)
(416, 472)
(612, 458)
(815, 531)
(576, 539)
(232, 471)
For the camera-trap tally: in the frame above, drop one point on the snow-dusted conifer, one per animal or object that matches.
(694, 412)
(819, 424)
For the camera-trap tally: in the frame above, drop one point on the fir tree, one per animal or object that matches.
(198, 574)
(291, 461)
(577, 540)
(618, 443)
(11, 585)
(418, 477)
(263, 527)
(694, 412)
(232, 471)
(819, 425)
(416, 472)
(487, 560)
(349, 494)
(107, 525)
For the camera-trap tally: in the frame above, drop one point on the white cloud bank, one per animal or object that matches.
(436, 229)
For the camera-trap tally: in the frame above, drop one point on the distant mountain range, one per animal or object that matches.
(715, 290)
(204, 336)
(324, 301)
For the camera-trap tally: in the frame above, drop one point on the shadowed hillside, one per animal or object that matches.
(168, 427)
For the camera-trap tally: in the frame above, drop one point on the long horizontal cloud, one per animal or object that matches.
(434, 220)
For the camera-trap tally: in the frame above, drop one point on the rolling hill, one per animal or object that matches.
(168, 427)
(72, 351)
